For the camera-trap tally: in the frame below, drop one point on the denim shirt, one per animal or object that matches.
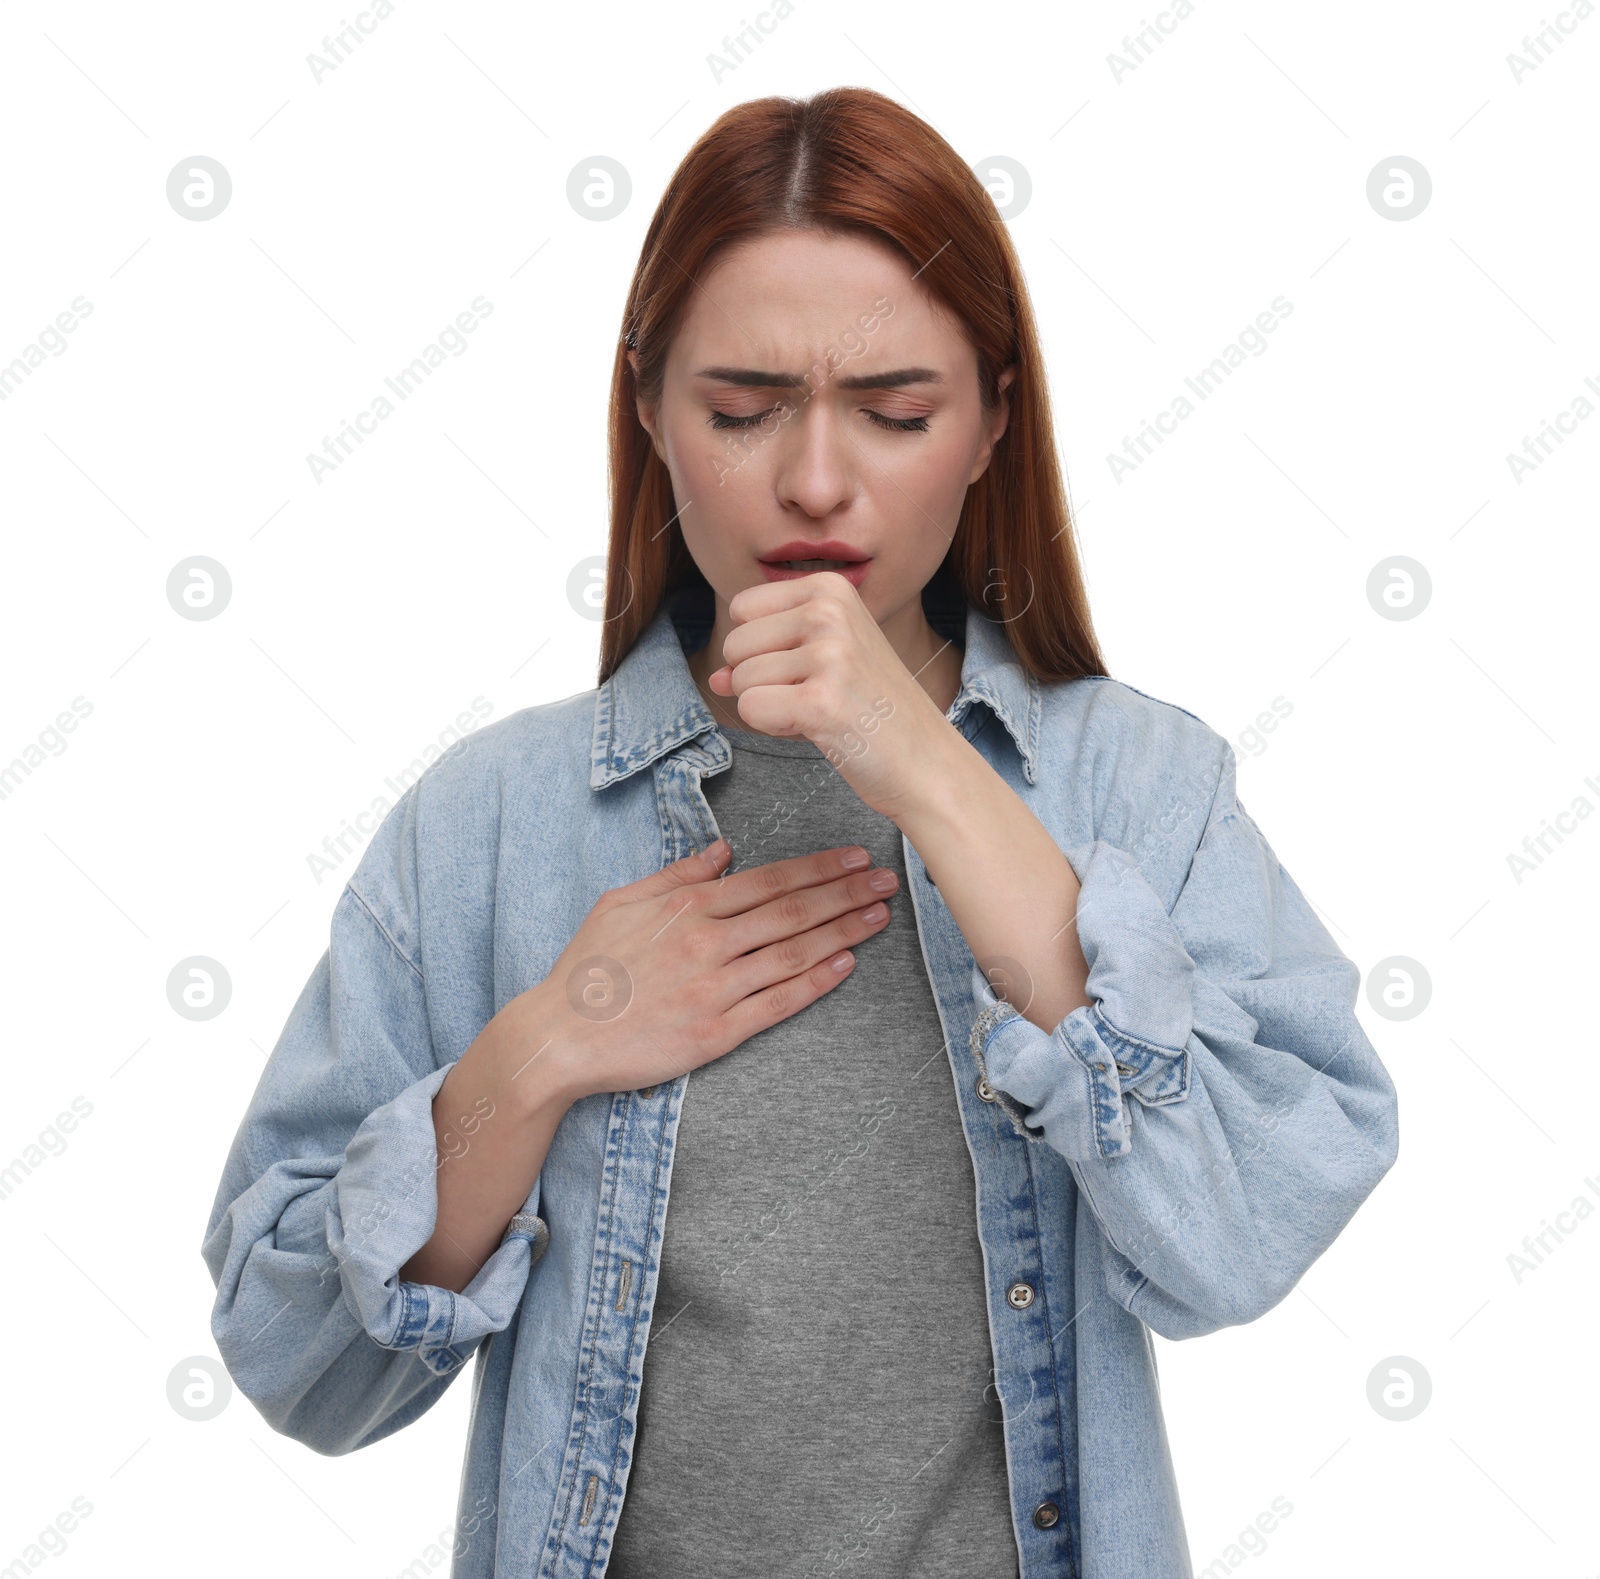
(1170, 1158)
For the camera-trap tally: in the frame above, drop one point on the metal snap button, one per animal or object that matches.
(1126, 1069)
(647, 1092)
(985, 1090)
(1020, 1295)
(1046, 1515)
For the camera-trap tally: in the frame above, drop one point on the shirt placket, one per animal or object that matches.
(1032, 1343)
(637, 1170)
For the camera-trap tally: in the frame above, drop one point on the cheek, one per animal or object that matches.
(929, 472)
(715, 465)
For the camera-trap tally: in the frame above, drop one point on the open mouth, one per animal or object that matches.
(799, 557)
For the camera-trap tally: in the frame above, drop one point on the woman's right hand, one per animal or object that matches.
(672, 971)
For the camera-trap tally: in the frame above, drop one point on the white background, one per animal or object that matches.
(369, 609)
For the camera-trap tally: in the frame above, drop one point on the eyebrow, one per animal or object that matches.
(754, 378)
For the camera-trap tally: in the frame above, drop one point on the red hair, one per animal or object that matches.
(851, 161)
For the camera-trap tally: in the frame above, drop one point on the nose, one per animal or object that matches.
(816, 467)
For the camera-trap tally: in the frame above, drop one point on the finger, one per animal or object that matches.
(792, 957)
(700, 867)
(800, 912)
(760, 885)
(776, 632)
(785, 667)
(762, 1009)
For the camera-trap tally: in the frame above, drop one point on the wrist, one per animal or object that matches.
(536, 1055)
(933, 800)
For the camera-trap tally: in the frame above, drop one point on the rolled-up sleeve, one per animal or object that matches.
(1217, 1100)
(330, 1188)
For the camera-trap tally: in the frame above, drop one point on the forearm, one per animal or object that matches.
(494, 1118)
(1001, 875)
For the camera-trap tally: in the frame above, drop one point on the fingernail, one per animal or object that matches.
(854, 860)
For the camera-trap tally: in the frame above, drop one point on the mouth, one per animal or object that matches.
(799, 557)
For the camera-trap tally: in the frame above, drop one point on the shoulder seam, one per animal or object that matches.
(372, 915)
(1160, 701)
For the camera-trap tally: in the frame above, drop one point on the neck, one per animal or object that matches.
(934, 661)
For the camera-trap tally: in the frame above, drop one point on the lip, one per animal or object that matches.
(830, 548)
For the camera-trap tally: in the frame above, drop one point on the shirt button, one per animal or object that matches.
(1046, 1515)
(985, 1090)
(1020, 1295)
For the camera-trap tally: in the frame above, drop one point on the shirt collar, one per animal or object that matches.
(651, 705)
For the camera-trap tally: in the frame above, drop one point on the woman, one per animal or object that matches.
(1106, 1077)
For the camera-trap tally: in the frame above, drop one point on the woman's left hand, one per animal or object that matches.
(806, 658)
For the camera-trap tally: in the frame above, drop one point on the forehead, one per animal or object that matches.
(791, 294)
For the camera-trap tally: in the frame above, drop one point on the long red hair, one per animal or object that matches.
(853, 161)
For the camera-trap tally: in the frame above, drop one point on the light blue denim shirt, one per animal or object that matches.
(1170, 1158)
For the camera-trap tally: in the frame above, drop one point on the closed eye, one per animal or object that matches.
(721, 419)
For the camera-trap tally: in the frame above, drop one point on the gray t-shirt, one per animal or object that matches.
(818, 1388)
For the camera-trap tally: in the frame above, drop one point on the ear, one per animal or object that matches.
(647, 413)
(997, 423)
